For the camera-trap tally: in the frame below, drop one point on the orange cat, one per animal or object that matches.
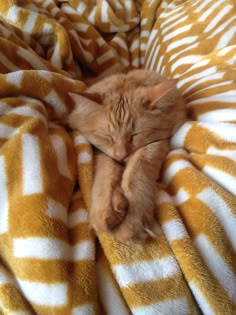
(129, 118)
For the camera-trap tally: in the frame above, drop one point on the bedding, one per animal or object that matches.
(50, 260)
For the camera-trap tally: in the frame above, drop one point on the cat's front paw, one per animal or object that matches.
(138, 224)
(106, 216)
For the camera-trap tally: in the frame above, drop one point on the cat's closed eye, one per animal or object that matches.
(110, 138)
(134, 135)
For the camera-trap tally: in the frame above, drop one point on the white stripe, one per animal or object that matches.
(32, 100)
(48, 248)
(225, 131)
(225, 97)
(8, 63)
(178, 31)
(141, 272)
(87, 55)
(100, 42)
(217, 18)
(154, 55)
(122, 28)
(225, 50)
(84, 157)
(199, 74)
(32, 173)
(209, 87)
(44, 294)
(55, 101)
(31, 59)
(183, 41)
(209, 11)
(152, 42)
(28, 112)
(56, 56)
(80, 140)
(230, 154)
(179, 137)
(7, 132)
(167, 20)
(224, 179)
(182, 52)
(201, 6)
(217, 265)
(81, 27)
(145, 33)
(54, 11)
(226, 38)
(201, 299)
(4, 206)
(159, 64)
(228, 114)
(15, 78)
(170, 26)
(104, 12)
(120, 42)
(222, 27)
(108, 294)
(165, 14)
(86, 309)
(12, 13)
(174, 168)
(163, 197)
(83, 251)
(61, 153)
(204, 79)
(41, 248)
(221, 210)
(81, 8)
(180, 197)
(135, 62)
(173, 306)
(46, 75)
(135, 45)
(200, 63)
(77, 217)
(4, 107)
(191, 59)
(30, 22)
(105, 57)
(174, 230)
(91, 17)
(56, 210)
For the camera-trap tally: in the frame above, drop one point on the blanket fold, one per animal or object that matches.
(50, 260)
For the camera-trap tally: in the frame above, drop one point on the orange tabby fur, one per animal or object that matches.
(129, 118)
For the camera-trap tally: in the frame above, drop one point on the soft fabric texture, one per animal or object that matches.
(51, 262)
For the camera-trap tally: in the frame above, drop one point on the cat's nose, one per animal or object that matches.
(121, 154)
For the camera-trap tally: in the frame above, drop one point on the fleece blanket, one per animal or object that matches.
(50, 261)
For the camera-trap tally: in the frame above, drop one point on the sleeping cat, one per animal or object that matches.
(129, 118)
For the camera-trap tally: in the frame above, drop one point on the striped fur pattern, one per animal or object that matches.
(50, 262)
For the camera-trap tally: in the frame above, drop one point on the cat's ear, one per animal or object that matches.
(85, 98)
(85, 104)
(163, 93)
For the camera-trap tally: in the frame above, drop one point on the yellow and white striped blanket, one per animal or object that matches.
(50, 262)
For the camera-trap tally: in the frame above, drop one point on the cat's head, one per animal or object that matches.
(124, 112)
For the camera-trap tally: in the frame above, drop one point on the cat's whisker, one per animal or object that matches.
(150, 233)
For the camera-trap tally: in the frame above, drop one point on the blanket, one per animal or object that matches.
(50, 260)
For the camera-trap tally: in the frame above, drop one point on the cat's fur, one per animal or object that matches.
(129, 118)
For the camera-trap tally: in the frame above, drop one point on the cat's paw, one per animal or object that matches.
(138, 224)
(107, 216)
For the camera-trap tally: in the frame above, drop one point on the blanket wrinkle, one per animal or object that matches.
(51, 262)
